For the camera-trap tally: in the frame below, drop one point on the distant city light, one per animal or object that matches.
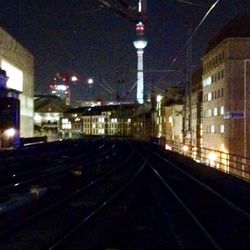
(74, 78)
(90, 81)
(61, 87)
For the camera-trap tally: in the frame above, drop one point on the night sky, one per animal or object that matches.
(77, 37)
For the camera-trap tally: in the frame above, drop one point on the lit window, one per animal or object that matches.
(215, 111)
(207, 81)
(209, 113)
(222, 128)
(209, 97)
(212, 129)
(222, 110)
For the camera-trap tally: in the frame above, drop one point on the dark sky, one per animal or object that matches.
(76, 37)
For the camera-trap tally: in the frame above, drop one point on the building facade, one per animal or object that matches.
(110, 120)
(19, 66)
(226, 96)
(47, 113)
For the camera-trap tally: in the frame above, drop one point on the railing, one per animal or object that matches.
(229, 163)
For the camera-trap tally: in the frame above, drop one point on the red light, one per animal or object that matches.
(139, 27)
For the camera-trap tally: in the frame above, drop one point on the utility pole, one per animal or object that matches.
(188, 89)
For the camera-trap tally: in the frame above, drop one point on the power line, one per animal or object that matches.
(196, 29)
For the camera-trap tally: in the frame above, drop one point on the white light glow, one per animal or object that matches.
(90, 81)
(10, 132)
(209, 96)
(61, 87)
(37, 118)
(212, 156)
(158, 98)
(139, 6)
(185, 148)
(15, 76)
(170, 119)
(74, 78)
(140, 44)
(207, 81)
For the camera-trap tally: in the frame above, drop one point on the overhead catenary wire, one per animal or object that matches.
(180, 52)
(195, 30)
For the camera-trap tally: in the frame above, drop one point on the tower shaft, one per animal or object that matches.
(140, 77)
(140, 43)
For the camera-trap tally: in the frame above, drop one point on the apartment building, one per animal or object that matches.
(226, 85)
(109, 120)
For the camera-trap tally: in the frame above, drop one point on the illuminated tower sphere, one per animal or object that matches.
(140, 44)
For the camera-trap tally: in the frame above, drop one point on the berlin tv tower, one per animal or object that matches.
(140, 44)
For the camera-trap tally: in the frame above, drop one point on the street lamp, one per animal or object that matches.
(6, 137)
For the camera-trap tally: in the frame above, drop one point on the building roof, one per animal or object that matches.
(49, 103)
(97, 110)
(238, 27)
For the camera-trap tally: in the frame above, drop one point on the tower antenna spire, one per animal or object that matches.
(140, 43)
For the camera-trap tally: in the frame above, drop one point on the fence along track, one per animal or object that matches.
(239, 213)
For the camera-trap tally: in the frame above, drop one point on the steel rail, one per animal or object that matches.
(61, 241)
(188, 211)
(45, 172)
(184, 206)
(65, 199)
(209, 189)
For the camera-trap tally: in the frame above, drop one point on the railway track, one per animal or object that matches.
(70, 208)
(145, 200)
(222, 223)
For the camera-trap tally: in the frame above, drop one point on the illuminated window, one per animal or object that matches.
(207, 81)
(222, 110)
(209, 96)
(222, 128)
(215, 111)
(212, 129)
(209, 113)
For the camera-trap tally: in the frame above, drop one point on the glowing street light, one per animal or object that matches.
(10, 132)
